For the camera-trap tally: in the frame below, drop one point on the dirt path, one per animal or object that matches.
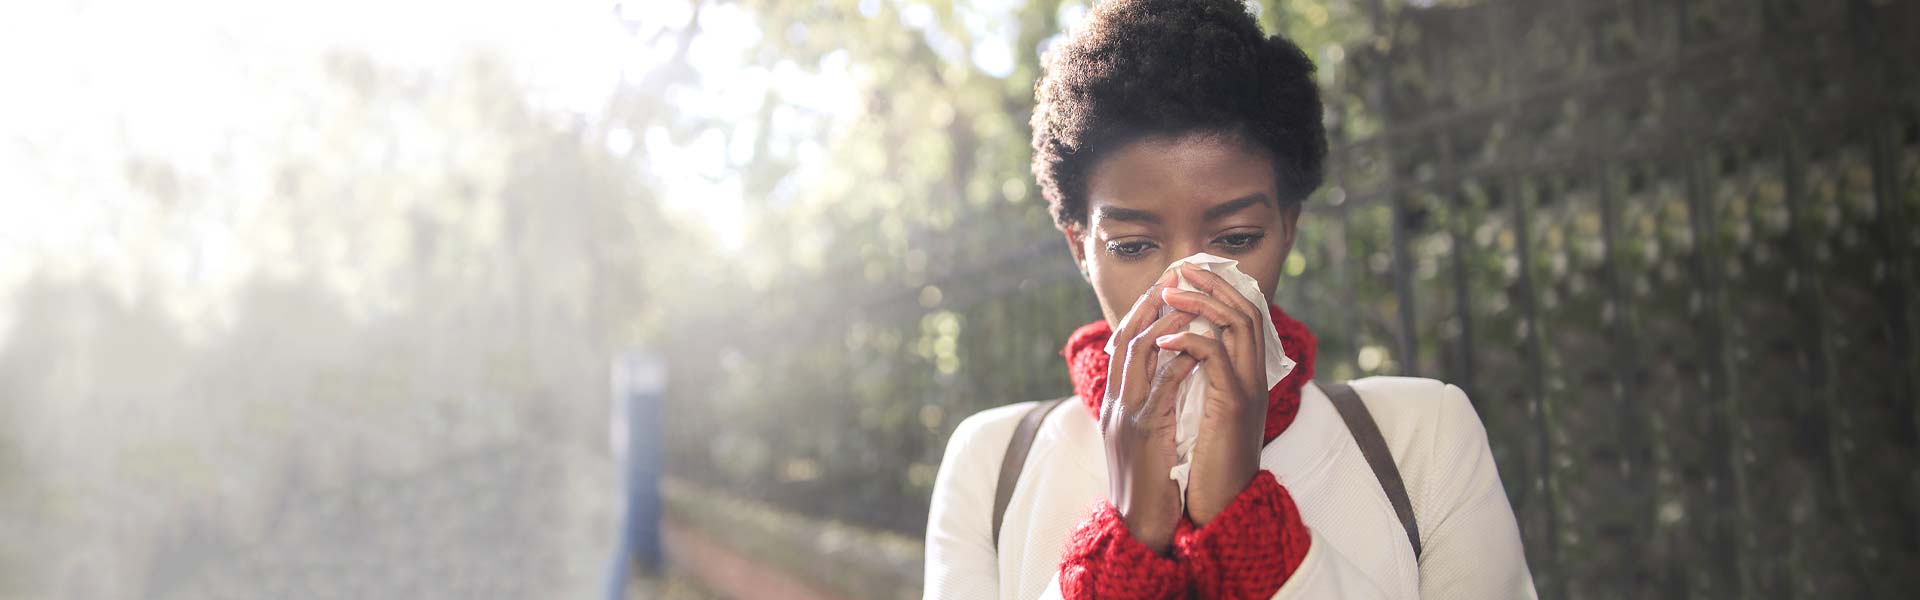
(730, 573)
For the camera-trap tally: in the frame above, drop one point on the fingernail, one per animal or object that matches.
(1165, 339)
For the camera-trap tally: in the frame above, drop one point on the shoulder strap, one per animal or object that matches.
(1016, 460)
(1374, 448)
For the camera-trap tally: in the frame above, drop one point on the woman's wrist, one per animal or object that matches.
(1157, 538)
(1234, 481)
(1150, 522)
(1224, 466)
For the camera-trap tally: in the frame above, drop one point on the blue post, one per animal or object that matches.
(639, 383)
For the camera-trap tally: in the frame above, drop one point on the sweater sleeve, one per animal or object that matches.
(1103, 560)
(1470, 539)
(961, 559)
(1251, 548)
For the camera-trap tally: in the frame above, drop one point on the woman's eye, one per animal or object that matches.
(1128, 249)
(1239, 240)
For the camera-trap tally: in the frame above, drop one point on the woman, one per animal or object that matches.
(1164, 129)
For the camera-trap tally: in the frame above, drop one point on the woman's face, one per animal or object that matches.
(1162, 199)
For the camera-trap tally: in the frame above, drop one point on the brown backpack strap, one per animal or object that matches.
(1374, 448)
(1016, 459)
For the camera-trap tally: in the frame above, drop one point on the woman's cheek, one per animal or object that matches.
(1120, 285)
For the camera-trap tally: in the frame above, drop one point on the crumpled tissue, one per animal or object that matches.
(1190, 400)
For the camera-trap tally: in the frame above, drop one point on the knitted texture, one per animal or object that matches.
(1087, 364)
(1249, 549)
(1104, 561)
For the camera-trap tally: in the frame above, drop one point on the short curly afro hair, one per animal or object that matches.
(1144, 68)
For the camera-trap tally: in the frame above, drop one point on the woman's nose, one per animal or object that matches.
(1185, 248)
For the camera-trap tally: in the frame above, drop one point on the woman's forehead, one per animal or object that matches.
(1187, 174)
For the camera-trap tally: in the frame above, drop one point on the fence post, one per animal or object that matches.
(1538, 405)
(1634, 446)
(1462, 288)
(639, 382)
(1725, 429)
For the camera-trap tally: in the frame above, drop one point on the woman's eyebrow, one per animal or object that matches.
(1234, 205)
(1109, 213)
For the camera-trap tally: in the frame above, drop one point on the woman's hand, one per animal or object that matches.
(1137, 419)
(1227, 454)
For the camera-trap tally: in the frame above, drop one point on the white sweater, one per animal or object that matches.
(1471, 545)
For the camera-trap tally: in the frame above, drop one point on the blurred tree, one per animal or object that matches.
(429, 266)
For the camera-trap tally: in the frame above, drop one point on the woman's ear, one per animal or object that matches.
(1077, 245)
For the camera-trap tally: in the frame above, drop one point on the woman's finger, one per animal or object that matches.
(1166, 380)
(1246, 344)
(1219, 289)
(1141, 355)
(1213, 357)
(1239, 333)
(1145, 309)
(1136, 356)
(1208, 306)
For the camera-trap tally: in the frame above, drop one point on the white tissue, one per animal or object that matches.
(1190, 400)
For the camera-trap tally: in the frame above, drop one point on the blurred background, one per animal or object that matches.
(324, 300)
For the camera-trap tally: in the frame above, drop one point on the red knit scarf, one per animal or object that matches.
(1087, 364)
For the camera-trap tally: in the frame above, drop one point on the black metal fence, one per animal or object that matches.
(1666, 246)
